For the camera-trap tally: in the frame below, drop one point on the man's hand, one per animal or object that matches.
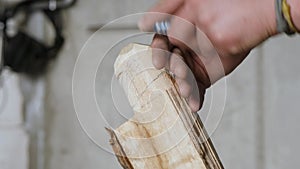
(211, 36)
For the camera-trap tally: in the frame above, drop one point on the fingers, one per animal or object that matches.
(177, 64)
(196, 98)
(194, 102)
(185, 80)
(184, 87)
(159, 13)
(160, 54)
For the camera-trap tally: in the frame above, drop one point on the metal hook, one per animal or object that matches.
(52, 5)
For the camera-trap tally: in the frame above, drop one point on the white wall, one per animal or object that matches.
(14, 141)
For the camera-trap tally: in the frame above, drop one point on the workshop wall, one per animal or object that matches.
(14, 140)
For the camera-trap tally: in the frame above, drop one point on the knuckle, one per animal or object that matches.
(157, 43)
(233, 49)
(185, 88)
(205, 19)
(219, 37)
(224, 41)
(180, 70)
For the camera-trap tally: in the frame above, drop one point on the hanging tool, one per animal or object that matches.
(23, 53)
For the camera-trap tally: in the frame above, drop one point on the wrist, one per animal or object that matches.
(269, 16)
(295, 12)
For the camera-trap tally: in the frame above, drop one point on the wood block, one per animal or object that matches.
(163, 133)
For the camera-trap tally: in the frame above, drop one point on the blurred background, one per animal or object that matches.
(39, 128)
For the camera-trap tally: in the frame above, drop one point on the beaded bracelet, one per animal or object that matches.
(286, 10)
(282, 24)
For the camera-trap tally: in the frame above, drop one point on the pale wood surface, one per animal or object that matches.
(163, 133)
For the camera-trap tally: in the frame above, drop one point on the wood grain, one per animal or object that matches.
(163, 133)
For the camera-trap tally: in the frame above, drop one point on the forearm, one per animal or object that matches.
(295, 12)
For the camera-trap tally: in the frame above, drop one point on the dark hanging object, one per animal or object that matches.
(22, 53)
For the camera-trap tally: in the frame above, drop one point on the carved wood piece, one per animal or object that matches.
(163, 133)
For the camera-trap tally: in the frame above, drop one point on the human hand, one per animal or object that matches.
(211, 36)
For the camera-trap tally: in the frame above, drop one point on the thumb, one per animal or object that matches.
(161, 11)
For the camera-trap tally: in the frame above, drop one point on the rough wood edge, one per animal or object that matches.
(196, 131)
(119, 152)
